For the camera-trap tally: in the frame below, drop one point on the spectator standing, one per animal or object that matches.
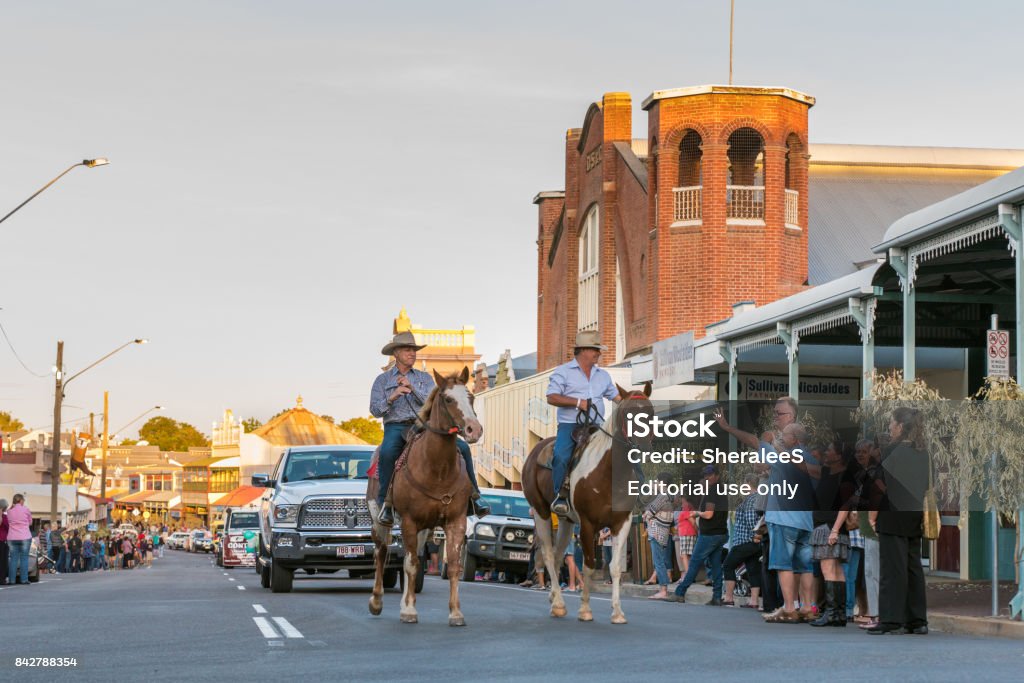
(744, 548)
(606, 540)
(4, 554)
(88, 553)
(75, 551)
(713, 532)
(686, 536)
(60, 549)
(658, 516)
(19, 539)
(112, 545)
(831, 540)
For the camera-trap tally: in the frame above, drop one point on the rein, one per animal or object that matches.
(446, 498)
(586, 419)
(450, 431)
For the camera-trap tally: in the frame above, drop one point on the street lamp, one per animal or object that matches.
(88, 163)
(58, 399)
(103, 466)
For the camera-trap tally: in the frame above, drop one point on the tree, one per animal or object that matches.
(170, 435)
(367, 428)
(9, 423)
(251, 424)
(128, 442)
(328, 418)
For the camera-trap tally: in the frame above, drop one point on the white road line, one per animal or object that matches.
(260, 609)
(241, 588)
(286, 628)
(265, 628)
(230, 579)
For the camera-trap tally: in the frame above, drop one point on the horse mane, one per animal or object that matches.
(424, 413)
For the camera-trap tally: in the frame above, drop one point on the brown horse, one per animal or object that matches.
(598, 500)
(432, 489)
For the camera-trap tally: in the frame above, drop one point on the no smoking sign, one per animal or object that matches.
(998, 353)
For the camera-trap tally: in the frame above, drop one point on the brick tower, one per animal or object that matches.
(727, 192)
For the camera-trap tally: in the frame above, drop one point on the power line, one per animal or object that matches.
(9, 344)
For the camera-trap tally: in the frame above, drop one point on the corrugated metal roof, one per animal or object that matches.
(243, 495)
(300, 427)
(851, 207)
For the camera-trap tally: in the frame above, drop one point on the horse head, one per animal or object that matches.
(455, 406)
(633, 403)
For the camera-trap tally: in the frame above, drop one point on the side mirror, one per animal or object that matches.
(260, 479)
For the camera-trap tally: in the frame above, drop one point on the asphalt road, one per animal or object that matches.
(186, 619)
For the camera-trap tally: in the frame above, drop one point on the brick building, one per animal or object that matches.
(725, 201)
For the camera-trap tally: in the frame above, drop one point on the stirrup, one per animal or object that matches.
(479, 506)
(386, 516)
(560, 506)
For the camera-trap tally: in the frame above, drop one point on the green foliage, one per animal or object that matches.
(171, 435)
(328, 418)
(9, 423)
(367, 428)
(251, 424)
(128, 442)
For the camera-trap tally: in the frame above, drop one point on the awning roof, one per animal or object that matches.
(211, 462)
(243, 495)
(799, 305)
(138, 497)
(967, 206)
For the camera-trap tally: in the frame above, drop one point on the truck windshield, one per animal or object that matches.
(306, 465)
(511, 506)
(245, 520)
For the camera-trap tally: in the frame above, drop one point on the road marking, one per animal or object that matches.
(230, 579)
(225, 573)
(265, 628)
(286, 628)
(260, 609)
(241, 588)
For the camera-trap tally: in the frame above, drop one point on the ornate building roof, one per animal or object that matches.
(300, 427)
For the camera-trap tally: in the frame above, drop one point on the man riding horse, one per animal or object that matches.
(574, 388)
(397, 395)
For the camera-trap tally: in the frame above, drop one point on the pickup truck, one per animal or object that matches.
(316, 518)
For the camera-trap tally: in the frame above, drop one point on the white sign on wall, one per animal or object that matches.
(998, 353)
(673, 360)
(771, 387)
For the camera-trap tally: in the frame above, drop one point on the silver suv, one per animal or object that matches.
(316, 519)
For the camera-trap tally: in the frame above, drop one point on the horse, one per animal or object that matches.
(431, 489)
(598, 499)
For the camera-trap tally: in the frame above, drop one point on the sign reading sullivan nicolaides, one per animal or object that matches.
(770, 387)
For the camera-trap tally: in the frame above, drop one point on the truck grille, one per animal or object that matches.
(519, 536)
(335, 513)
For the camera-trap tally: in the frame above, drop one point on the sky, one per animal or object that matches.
(286, 176)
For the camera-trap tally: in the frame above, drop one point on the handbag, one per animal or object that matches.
(931, 524)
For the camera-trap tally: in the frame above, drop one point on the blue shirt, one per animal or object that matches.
(569, 380)
(798, 512)
(407, 406)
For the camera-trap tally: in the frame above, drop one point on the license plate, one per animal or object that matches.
(350, 551)
(525, 557)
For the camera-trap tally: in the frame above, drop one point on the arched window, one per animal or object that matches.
(589, 267)
(745, 188)
(690, 179)
(795, 158)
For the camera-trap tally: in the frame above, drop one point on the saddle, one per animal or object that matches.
(413, 436)
(581, 435)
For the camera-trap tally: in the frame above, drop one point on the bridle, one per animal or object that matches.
(589, 417)
(455, 428)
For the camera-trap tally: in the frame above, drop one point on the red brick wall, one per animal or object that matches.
(550, 285)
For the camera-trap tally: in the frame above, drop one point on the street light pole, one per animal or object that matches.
(58, 399)
(88, 163)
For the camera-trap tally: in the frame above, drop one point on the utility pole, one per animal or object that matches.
(58, 398)
(103, 457)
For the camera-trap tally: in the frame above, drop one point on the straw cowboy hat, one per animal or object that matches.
(589, 340)
(401, 339)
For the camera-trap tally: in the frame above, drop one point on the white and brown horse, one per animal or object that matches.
(432, 489)
(598, 498)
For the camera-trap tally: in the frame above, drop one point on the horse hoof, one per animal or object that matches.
(558, 611)
(619, 619)
(409, 618)
(376, 607)
(456, 621)
(586, 616)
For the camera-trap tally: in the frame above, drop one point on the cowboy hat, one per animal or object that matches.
(589, 339)
(401, 339)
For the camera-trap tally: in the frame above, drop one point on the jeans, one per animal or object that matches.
(850, 569)
(4, 562)
(63, 561)
(391, 448)
(662, 555)
(707, 547)
(19, 560)
(562, 454)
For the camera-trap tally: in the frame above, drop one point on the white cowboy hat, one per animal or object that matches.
(589, 339)
(401, 339)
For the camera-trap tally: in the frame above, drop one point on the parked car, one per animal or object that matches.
(316, 519)
(193, 543)
(177, 540)
(501, 541)
(239, 538)
(202, 541)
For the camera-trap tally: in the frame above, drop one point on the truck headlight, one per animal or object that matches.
(286, 514)
(484, 530)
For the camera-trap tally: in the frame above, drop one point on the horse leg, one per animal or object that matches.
(410, 538)
(618, 568)
(554, 565)
(587, 539)
(380, 549)
(542, 527)
(455, 535)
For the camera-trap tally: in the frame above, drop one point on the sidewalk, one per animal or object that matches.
(954, 606)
